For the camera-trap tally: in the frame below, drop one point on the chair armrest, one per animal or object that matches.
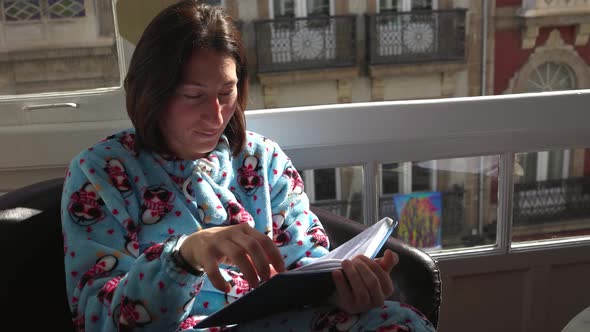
(416, 278)
(30, 230)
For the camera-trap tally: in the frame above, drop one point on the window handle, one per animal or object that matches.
(49, 106)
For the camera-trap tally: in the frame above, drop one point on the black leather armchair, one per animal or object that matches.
(416, 278)
(33, 282)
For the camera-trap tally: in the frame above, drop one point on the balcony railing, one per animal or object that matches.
(421, 36)
(551, 201)
(305, 43)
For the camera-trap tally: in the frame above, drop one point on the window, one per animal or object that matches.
(214, 2)
(548, 165)
(339, 190)
(301, 8)
(60, 63)
(407, 177)
(57, 46)
(409, 148)
(551, 76)
(325, 186)
(557, 203)
(406, 5)
(445, 204)
(36, 10)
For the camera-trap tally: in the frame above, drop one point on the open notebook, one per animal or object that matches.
(305, 286)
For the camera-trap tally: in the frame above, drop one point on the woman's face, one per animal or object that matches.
(201, 106)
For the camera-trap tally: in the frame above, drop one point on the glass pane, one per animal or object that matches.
(57, 46)
(339, 190)
(557, 203)
(422, 5)
(318, 7)
(386, 6)
(284, 8)
(391, 178)
(442, 204)
(213, 2)
(424, 49)
(325, 184)
(551, 76)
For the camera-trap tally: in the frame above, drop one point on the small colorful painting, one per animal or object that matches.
(420, 219)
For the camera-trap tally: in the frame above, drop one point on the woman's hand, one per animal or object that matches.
(363, 284)
(239, 245)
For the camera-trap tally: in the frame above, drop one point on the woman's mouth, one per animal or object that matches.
(206, 133)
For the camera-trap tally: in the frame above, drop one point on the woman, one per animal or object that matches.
(169, 221)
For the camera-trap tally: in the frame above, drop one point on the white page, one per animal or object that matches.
(364, 243)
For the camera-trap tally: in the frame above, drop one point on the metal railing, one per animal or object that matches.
(417, 36)
(551, 201)
(305, 43)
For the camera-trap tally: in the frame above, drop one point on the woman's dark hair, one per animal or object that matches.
(159, 58)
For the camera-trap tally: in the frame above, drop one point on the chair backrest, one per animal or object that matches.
(34, 280)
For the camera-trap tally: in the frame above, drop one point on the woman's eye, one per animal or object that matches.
(192, 96)
(225, 94)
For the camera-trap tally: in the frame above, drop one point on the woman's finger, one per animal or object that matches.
(343, 291)
(268, 247)
(384, 277)
(240, 258)
(255, 252)
(375, 278)
(361, 297)
(388, 261)
(212, 269)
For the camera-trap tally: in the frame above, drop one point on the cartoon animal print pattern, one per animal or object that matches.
(116, 171)
(318, 235)
(85, 205)
(156, 204)
(249, 176)
(130, 315)
(123, 211)
(296, 183)
(236, 214)
(281, 236)
(392, 316)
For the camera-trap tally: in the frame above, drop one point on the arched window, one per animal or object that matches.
(551, 76)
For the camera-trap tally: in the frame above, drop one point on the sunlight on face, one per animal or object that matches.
(202, 104)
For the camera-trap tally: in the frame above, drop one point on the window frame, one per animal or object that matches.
(459, 127)
(300, 7)
(91, 105)
(405, 5)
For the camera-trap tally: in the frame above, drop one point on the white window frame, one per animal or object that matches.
(396, 130)
(300, 8)
(405, 5)
(384, 131)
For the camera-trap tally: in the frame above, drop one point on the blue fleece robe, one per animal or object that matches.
(124, 209)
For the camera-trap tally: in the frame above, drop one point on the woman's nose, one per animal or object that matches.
(213, 114)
